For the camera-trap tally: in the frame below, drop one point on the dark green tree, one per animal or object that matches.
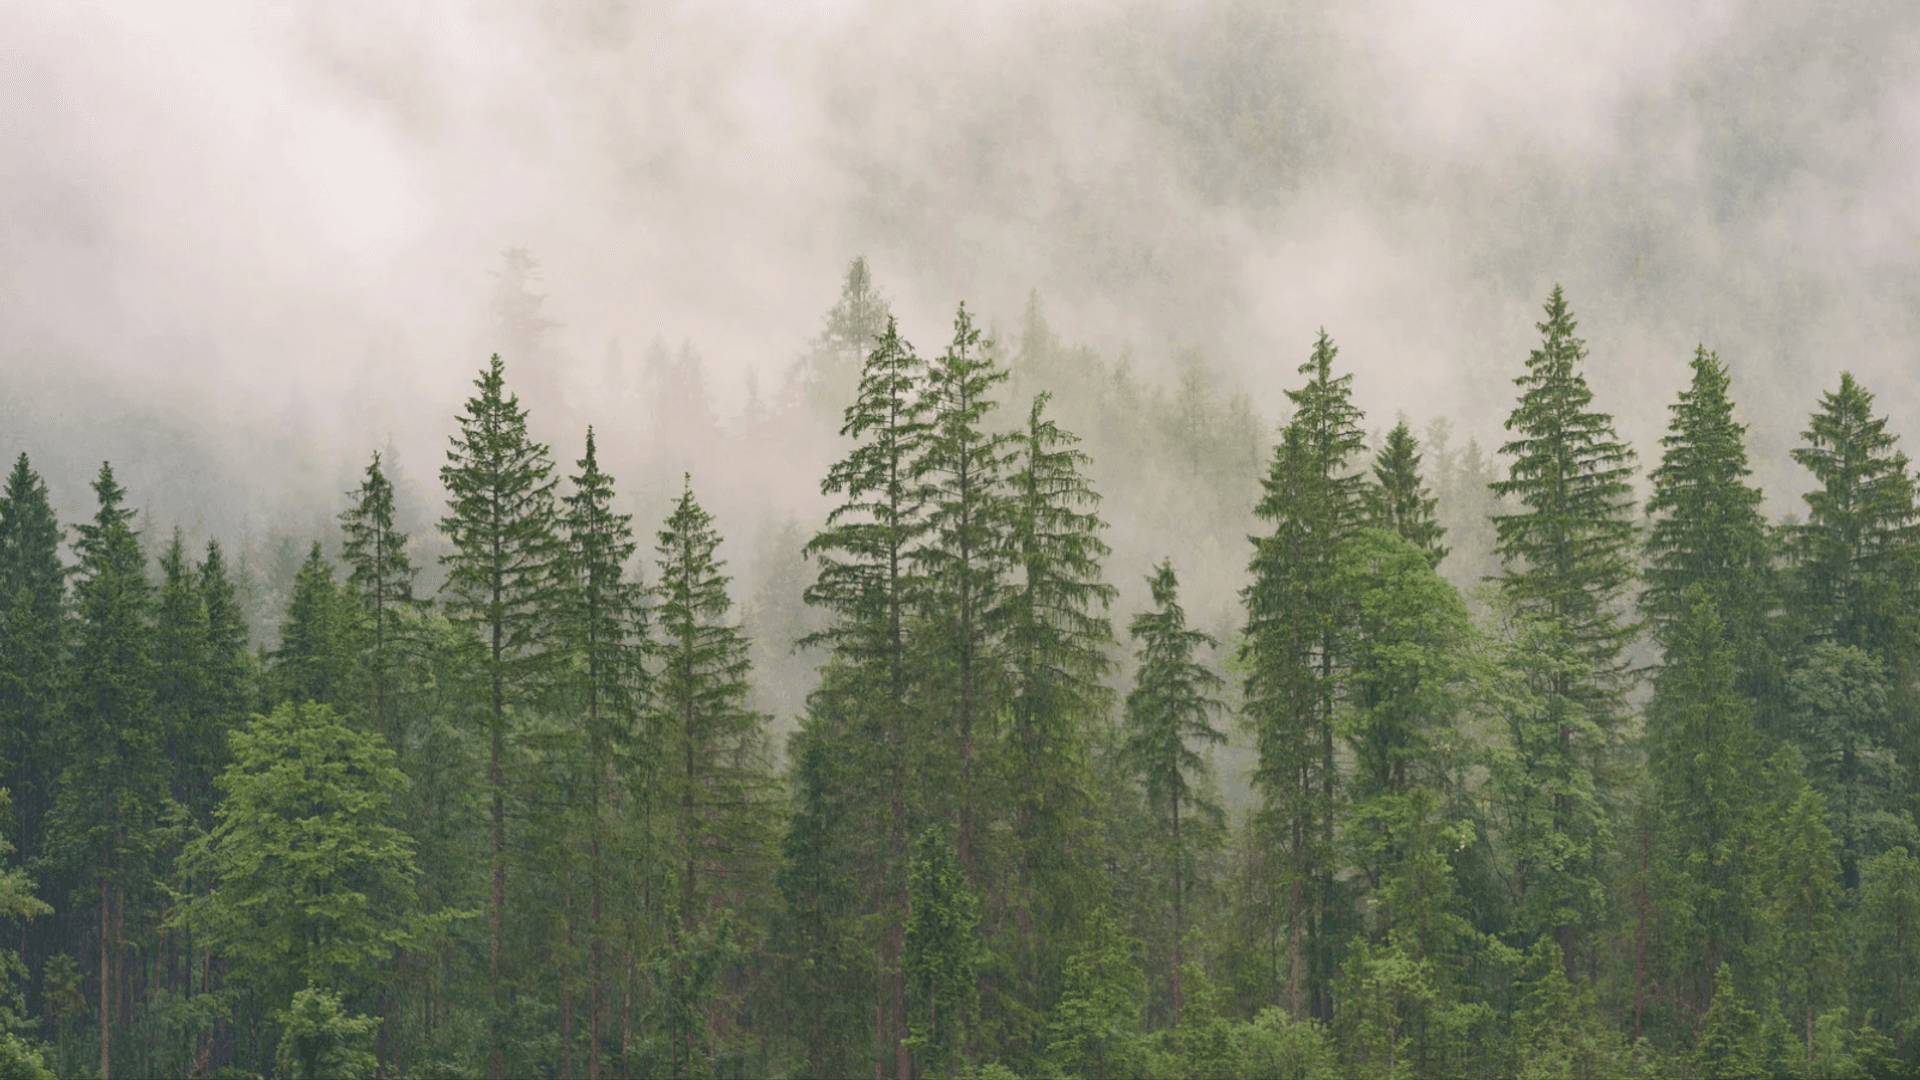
(1401, 501)
(1569, 553)
(963, 556)
(114, 786)
(869, 586)
(1314, 500)
(942, 955)
(1707, 530)
(1729, 1044)
(381, 577)
(1840, 719)
(500, 581)
(183, 692)
(1889, 941)
(319, 639)
(1170, 711)
(1054, 641)
(1801, 880)
(602, 633)
(33, 592)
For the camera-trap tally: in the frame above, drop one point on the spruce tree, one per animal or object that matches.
(232, 668)
(963, 556)
(500, 579)
(1314, 501)
(319, 639)
(1054, 641)
(1857, 555)
(1707, 528)
(381, 576)
(33, 592)
(602, 631)
(868, 585)
(1701, 752)
(1401, 501)
(721, 798)
(1170, 711)
(1569, 553)
(184, 700)
(942, 955)
(113, 788)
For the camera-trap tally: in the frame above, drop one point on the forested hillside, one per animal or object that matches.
(1383, 757)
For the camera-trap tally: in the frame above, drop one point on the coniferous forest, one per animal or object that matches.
(1558, 759)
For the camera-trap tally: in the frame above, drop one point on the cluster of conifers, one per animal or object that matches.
(534, 825)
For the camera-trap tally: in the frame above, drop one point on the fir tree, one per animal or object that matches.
(381, 576)
(868, 585)
(114, 785)
(942, 955)
(316, 659)
(1054, 641)
(963, 555)
(1314, 502)
(499, 583)
(184, 699)
(1569, 555)
(1170, 710)
(720, 790)
(1708, 530)
(1800, 880)
(1400, 499)
(602, 630)
(33, 593)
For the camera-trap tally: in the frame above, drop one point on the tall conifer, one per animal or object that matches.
(1569, 553)
(33, 592)
(1401, 501)
(500, 577)
(381, 576)
(1170, 711)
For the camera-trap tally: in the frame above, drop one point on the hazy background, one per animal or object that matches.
(242, 245)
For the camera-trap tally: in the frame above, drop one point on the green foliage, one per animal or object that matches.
(1400, 501)
(381, 578)
(320, 1040)
(319, 640)
(1094, 1025)
(313, 883)
(1889, 938)
(21, 1060)
(1841, 722)
(33, 626)
(1729, 1046)
(942, 955)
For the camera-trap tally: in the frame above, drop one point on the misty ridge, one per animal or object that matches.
(1166, 539)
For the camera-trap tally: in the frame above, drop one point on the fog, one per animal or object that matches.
(243, 245)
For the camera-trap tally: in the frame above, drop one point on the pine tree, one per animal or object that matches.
(1569, 556)
(114, 785)
(182, 660)
(1169, 711)
(867, 584)
(1855, 557)
(32, 636)
(499, 583)
(602, 631)
(720, 789)
(1708, 530)
(942, 955)
(319, 639)
(381, 576)
(1400, 499)
(1701, 751)
(1314, 503)
(1054, 644)
(963, 556)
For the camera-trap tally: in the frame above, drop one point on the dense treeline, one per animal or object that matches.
(1640, 800)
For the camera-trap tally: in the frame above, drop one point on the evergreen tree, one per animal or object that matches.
(33, 592)
(381, 576)
(1569, 555)
(1890, 941)
(1729, 1037)
(1400, 499)
(1708, 531)
(499, 583)
(1701, 752)
(1839, 703)
(1054, 641)
(721, 798)
(1855, 558)
(602, 631)
(854, 327)
(868, 585)
(187, 711)
(232, 674)
(1314, 502)
(963, 555)
(1169, 711)
(1801, 878)
(113, 787)
(942, 955)
(319, 639)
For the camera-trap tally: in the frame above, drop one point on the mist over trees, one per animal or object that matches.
(1086, 730)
